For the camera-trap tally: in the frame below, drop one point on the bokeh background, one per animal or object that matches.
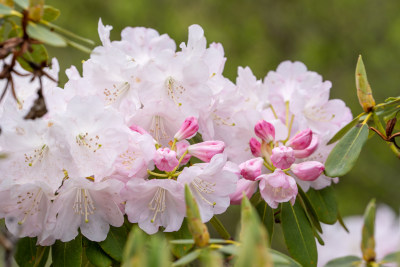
(327, 36)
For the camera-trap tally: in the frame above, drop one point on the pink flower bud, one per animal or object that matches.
(165, 159)
(138, 129)
(181, 147)
(282, 157)
(308, 170)
(300, 154)
(188, 129)
(206, 150)
(301, 140)
(277, 187)
(243, 185)
(265, 131)
(251, 169)
(255, 147)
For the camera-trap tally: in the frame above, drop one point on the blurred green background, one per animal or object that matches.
(327, 36)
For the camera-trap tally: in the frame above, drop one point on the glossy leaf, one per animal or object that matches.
(324, 203)
(345, 154)
(37, 56)
(22, 3)
(197, 228)
(50, 13)
(44, 35)
(282, 260)
(65, 32)
(368, 231)
(96, 255)
(309, 210)
(28, 254)
(353, 261)
(115, 242)
(364, 91)
(5, 10)
(266, 214)
(178, 250)
(220, 228)
(298, 234)
(345, 129)
(67, 254)
(253, 250)
(188, 258)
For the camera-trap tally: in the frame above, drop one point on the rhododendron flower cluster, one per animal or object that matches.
(145, 119)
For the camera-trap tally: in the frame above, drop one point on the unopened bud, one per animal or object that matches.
(181, 148)
(246, 186)
(251, 169)
(255, 147)
(206, 150)
(188, 129)
(300, 154)
(282, 157)
(165, 159)
(301, 140)
(308, 170)
(265, 131)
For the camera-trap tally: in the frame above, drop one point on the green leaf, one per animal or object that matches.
(28, 254)
(298, 234)
(220, 228)
(133, 251)
(68, 254)
(364, 91)
(37, 56)
(50, 13)
(345, 154)
(266, 214)
(392, 257)
(115, 242)
(22, 3)
(347, 261)
(188, 258)
(368, 231)
(341, 222)
(178, 250)
(65, 32)
(191, 241)
(45, 35)
(211, 258)
(324, 203)
(158, 254)
(229, 249)
(96, 255)
(36, 8)
(5, 10)
(345, 129)
(309, 210)
(282, 260)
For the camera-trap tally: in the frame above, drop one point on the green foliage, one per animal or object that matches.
(298, 233)
(364, 91)
(368, 231)
(324, 203)
(115, 242)
(345, 154)
(45, 35)
(50, 13)
(345, 129)
(95, 254)
(345, 261)
(37, 56)
(67, 254)
(178, 250)
(266, 214)
(28, 254)
(282, 260)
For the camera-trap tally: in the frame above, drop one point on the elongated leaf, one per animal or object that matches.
(115, 242)
(45, 35)
(220, 228)
(211, 258)
(266, 214)
(22, 3)
(345, 129)
(133, 254)
(353, 261)
(36, 8)
(281, 260)
(230, 249)
(50, 13)
(309, 210)
(368, 231)
(392, 257)
(188, 258)
(324, 203)
(5, 10)
(298, 234)
(96, 255)
(191, 241)
(67, 254)
(28, 254)
(364, 91)
(345, 154)
(158, 254)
